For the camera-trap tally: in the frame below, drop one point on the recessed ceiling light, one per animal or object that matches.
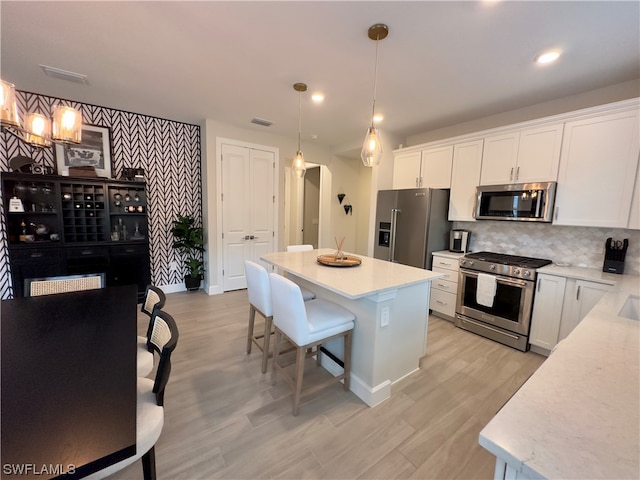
(547, 57)
(378, 117)
(317, 98)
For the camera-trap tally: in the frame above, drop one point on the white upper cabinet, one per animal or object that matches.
(436, 167)
(406, 169)
(429, 168)
(499, 159)
(598, 169)
(465, 175)
(524, 156)
(634, 216)
(539, 154)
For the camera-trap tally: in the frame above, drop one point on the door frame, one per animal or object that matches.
(276, 185)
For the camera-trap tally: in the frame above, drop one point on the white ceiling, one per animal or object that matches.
(443, 62)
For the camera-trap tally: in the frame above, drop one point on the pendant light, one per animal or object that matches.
(371, 148)
(298, 165)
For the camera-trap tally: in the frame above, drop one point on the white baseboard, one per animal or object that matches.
(372, 396)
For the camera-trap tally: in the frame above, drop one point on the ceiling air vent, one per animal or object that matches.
(262, 121)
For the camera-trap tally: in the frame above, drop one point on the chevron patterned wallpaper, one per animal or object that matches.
(168, 151)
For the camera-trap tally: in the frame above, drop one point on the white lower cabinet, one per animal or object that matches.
(559, 306)
(547, 311)
(444, 290)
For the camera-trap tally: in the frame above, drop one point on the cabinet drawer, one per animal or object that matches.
(87, 252)
(445, 285)
(35, 254)
(450, 275)
(443, 302)
(445, 263)
(129, 250)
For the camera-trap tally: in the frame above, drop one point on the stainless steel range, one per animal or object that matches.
(504, 315)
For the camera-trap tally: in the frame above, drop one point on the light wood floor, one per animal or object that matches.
(223, 419)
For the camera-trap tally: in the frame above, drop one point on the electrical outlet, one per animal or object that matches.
(173, 266)
(384, 317)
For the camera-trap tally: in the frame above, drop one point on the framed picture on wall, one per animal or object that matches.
(94, 151)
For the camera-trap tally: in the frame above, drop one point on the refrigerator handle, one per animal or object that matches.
(392, 240)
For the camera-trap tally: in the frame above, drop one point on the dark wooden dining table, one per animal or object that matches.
(68, 382)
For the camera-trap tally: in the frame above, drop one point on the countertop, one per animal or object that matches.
(373, 276)
(578, 416)
(582, 273)
(448, 254)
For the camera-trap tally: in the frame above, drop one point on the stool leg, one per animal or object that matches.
(267, 337)
(276, 352)
(300, 357)
(252, 319)
(347, 359)
(149, 465)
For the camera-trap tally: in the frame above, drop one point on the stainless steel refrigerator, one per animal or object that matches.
(411, 224)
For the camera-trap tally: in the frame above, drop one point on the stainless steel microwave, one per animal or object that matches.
(527, 202)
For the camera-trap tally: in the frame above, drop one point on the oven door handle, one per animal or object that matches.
(507, 280)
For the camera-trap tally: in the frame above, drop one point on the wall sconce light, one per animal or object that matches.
(38, 130)
(371, 148)
(298, 164)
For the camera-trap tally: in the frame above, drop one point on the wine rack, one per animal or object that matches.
(84, 215)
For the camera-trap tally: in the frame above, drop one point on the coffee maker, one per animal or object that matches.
(459, 241)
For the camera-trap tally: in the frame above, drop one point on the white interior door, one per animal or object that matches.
(247, 210)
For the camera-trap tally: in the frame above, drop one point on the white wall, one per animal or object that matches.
(601, 96)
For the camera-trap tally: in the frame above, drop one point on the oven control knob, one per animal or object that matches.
(492, 267)
(516, 271)
(527, 273)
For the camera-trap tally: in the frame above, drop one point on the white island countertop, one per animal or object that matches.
(578, 416)
(373, 276)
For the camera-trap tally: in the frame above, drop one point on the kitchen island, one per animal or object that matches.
(578, 416)
(391, 305)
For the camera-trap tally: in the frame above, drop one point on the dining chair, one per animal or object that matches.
(259, 292)
(299, 248)
(34, 287)
(153, 298)
(150, 400)
(307, 325)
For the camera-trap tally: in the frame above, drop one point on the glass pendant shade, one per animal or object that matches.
(8, 106)
(67, 125)
(298, 165)
(37, 130)
(371, 148)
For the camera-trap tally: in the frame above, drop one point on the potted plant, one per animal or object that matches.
(189, 241)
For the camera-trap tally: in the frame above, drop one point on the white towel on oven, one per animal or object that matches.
(486, 289)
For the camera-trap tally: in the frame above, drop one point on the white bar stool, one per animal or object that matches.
(259, 292)
(307, 325)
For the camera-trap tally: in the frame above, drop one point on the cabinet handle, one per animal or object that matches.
(443, 286)
(86, 252)
(539, 283)
(416, 182)
(517, 173)
(555, 213)
(445, 263)
(440, 302)
(36, 255)
(578, 293)
(511, 175)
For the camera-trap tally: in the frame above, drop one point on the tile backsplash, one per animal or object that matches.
(579, 246)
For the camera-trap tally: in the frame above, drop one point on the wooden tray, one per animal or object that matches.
(332, 261)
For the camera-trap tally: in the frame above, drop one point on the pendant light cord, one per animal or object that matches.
(299, 117)
(375, 81)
